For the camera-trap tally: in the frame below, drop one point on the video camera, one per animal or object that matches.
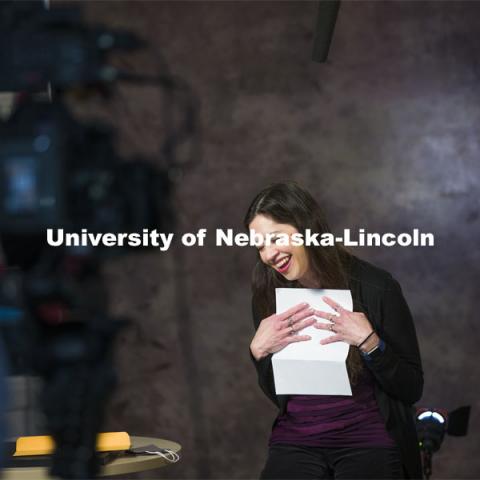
(58, 172)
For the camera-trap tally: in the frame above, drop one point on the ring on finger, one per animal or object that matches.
(292, 330)
(290, 322)
(331, 328)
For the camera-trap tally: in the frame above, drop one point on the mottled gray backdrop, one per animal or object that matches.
(386, 136)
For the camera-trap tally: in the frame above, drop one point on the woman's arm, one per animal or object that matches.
(264, 365)
(397, 367)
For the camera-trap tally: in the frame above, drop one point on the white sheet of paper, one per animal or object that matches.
(308, 368)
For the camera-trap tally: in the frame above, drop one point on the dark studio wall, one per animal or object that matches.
(385, 135)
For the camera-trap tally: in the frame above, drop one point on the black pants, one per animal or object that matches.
(297, 462)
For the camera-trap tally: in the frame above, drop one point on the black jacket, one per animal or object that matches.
(397, 370)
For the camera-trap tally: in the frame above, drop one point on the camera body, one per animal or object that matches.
(58, 173)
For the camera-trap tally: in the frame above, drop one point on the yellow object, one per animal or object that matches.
(44, 444)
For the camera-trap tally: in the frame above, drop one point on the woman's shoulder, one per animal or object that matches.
(370, 276)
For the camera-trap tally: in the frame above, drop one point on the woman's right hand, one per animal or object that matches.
(278, 330)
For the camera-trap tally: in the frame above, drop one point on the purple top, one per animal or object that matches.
(334, 420)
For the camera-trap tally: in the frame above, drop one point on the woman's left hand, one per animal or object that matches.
(349, 327)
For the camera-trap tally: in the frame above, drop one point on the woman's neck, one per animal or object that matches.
(310, 280)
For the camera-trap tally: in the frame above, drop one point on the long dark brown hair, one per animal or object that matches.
(290, 204)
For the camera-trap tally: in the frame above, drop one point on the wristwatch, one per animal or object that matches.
(376, 351)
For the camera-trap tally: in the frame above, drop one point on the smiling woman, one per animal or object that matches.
(372, 433)
(286, 258)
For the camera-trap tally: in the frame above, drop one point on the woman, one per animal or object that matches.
(372, 433)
